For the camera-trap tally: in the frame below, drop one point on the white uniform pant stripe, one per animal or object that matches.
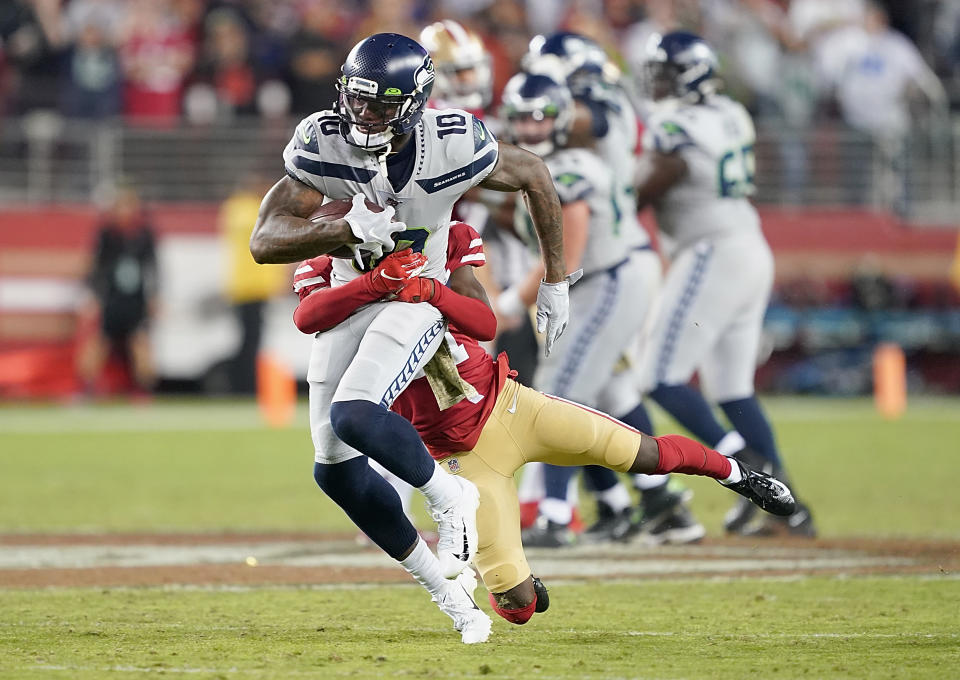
(680, 311)
(589, 334)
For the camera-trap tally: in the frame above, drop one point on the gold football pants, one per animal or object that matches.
(527, 426)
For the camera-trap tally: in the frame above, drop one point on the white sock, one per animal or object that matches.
(424, 566)
(730, 444)
(648, 482)
(617, 497)
(404, 490)
(442, 490)
(556, 510)
(735, 474)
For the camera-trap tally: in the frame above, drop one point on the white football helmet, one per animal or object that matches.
(464, 76)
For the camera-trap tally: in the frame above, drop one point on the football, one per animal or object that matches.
(335, 210)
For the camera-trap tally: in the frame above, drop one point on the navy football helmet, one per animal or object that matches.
(680, 64)
(383, 90)
(569, 58)
(538, 111)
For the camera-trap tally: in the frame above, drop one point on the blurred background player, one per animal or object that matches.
(605, 122)
(698, 173)
(620, 269)
(463, 69)
(123, 283)
(249, 287)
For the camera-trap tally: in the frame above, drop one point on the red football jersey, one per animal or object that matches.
(458, 427)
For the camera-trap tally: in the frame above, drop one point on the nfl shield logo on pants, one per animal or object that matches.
(454, 465)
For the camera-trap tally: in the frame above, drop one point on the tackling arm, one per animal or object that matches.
(519, 170)
(284, 234)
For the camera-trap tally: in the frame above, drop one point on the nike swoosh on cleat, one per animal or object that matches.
(470, 596)
(466, 547)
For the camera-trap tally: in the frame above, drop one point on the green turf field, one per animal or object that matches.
(864, 628)
(188, 466)
(196, 465)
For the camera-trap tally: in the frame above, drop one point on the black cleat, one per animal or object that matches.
(766, 491)
(547, 534)
(610, 525)
(741, 514)
(799, 523)
(543, 599)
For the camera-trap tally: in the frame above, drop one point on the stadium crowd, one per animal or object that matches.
(158, 61)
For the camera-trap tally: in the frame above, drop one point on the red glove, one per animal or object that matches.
(395, 270)
(418, 289)
(311, 275)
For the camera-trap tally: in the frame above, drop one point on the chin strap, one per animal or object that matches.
(382, 157)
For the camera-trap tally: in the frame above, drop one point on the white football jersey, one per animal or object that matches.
(580, 174)
(453, 152)
(617, 148)
(716, 140)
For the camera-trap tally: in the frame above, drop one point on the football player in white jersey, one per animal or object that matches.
(381, 144)
(613, 252)
(606, 121)
(697, 171)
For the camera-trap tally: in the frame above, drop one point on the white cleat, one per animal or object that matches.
(457, 529)
(458, 603)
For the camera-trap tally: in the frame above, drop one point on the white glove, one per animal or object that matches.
(372, 228)
(553, 308)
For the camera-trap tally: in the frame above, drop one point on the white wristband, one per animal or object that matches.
(509, 304)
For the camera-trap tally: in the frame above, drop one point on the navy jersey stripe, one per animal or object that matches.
(435, 184)
(322, 169)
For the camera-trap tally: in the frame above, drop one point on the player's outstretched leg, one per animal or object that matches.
(456, 601)
(676, 453)
(393, 442)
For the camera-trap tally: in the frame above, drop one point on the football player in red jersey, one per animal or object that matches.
(483, 425)
(464, 73)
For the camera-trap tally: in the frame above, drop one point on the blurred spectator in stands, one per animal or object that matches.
(110, 16)
(123, 285)
(225, 69)
(877, 73)
(92, 77)
(503, 26)
(249, 286)
(317, 51)
(395, 16)
(157, 55)
(31, 33)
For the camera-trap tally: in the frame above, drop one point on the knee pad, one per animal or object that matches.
(517, 616)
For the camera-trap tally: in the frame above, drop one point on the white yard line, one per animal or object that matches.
(621, 561)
